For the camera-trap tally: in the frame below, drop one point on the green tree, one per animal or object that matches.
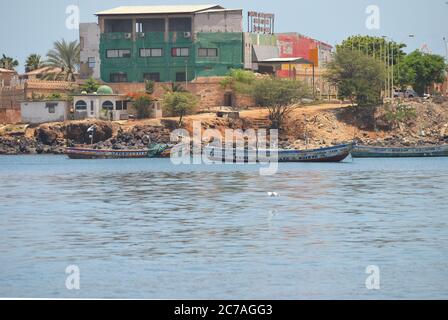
(33, 62)
(64, 55)
(279, 96)
(358, 77)
(90, 85)
(179, 104)
(149, 86)
(8, 62)
(420, 70)
(142, 104)
(376, 47)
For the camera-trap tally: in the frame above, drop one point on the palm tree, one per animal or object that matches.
(33, 62)
(64, 55)
(8, 62)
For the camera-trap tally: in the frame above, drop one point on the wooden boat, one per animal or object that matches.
(330, 154)
(402, 152)
(86, 153)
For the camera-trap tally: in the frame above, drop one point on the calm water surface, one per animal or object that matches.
(148, 229)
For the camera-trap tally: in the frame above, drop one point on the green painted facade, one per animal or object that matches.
(229, 46)
(263, 39)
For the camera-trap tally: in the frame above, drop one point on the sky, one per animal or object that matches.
(32, 26)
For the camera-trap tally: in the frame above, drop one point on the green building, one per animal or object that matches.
(162, 43)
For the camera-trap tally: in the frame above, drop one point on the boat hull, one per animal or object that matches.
(405, 152)
(84, 153)
(331, 154)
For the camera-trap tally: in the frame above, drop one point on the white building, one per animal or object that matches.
(105, 105)
(36, 112)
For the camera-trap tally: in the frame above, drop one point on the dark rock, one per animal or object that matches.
(46, 135)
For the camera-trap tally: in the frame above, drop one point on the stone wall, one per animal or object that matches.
(208, 89)
(212, 94)
(10, 115)
(125, 88)
(10, 98)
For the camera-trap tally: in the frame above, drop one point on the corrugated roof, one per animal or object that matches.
(220, 10)
(170, 9)
(262, 53)
(297, 60)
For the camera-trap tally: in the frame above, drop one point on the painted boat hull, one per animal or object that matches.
(85, 153)
(405, 152)
(331, 154)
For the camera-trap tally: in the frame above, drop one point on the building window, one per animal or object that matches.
(51, 106)
(207, 52)
(180, 52)
(108, 105)
(152, 76)
(150, 25)
(91, 62)
(180, 76)
(121, 105)
(180, 25)
(118, 53)
(152, 52)
(118, 77)
(81, 105)
(118, 25)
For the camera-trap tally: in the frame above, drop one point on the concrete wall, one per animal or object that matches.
(36, 112)
(219, 21)
(325, 54)
(89, 34)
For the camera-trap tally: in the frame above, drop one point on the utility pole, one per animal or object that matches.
(445, 41)
(392, 86)
(386, 68)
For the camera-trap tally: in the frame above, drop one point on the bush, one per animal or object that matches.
(400, 114)
(280, 96)
(142, 104)
(179, 104)
(239, 80)
(90, 86)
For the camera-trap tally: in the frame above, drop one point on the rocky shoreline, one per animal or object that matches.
(429, 127)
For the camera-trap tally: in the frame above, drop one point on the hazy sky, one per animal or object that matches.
(31, 26)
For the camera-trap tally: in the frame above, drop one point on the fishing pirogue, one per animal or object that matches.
(86, 153)
(331, 154)
(401, 152)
